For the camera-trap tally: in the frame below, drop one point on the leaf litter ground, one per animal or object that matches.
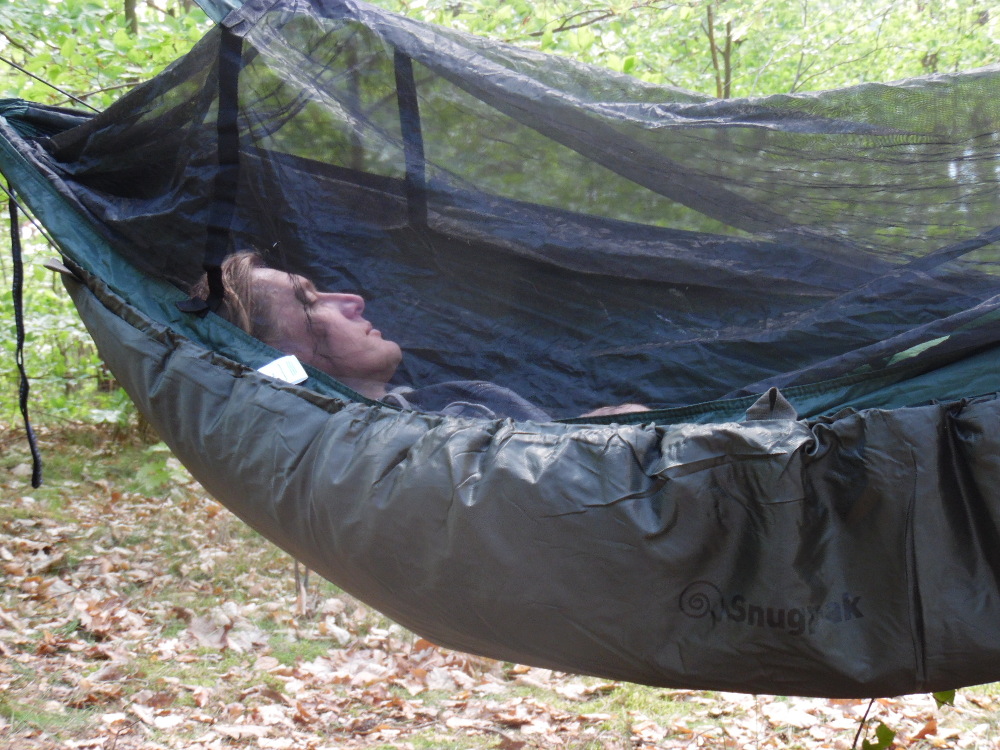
(136, 612)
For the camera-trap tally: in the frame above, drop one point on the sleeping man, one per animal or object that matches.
(328, 331)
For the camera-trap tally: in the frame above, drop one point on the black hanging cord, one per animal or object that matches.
(38, 227)
(413, 141)
(17, 296)
(65, 93)
(220, 221)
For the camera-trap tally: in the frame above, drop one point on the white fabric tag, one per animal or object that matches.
(287, 368)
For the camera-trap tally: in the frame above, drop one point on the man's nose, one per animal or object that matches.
(351, 305)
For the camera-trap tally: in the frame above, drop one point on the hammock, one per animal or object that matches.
(802, 289)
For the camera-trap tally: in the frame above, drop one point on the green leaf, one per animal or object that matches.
(68, 46)
(883, 739)
(944, 698)
(122, 38)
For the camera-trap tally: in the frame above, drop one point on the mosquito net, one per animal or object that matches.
(578, 237)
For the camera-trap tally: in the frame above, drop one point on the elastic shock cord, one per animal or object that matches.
(24, 388)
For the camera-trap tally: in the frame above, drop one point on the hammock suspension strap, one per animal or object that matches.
(17, 289)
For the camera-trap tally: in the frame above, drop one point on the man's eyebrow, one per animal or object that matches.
(303, 284)
(301, 287)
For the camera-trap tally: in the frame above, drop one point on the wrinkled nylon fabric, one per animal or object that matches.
(847, 557)
(581, 238)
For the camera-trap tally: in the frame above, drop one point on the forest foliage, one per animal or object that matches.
(740, 48)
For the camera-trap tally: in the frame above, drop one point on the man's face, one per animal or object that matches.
(326, 330)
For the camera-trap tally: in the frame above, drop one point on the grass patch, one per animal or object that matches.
(437, 741)
(24, 715)
(291, 652)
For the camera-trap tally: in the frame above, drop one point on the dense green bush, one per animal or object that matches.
(95, 51)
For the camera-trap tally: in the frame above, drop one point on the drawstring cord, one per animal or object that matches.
(28, 73)
(17, 295)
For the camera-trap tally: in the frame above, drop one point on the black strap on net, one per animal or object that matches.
(413, 140)
(18, 300)
(227, 178)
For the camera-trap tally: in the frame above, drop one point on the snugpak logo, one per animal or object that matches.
(703, 599)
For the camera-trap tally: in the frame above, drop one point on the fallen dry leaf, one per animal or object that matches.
(931, 727)
(240, 731)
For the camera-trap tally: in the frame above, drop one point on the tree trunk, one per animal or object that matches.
(722, 59)
(131, 18)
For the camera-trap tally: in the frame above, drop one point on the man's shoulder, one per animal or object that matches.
(469, 398)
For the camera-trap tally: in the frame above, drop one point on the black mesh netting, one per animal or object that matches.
(578, 236)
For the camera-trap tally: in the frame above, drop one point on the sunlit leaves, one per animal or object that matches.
(86, 49)
(776, 45)
(67, 377)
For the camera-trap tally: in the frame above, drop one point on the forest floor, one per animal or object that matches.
(136, 612)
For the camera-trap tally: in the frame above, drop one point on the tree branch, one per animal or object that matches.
(800, 65)
(727, 59)
(715, 51)
(116, 87)
(165, 11)
(15, 42)
(801, 80)
(565, 25)
(603, 15)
